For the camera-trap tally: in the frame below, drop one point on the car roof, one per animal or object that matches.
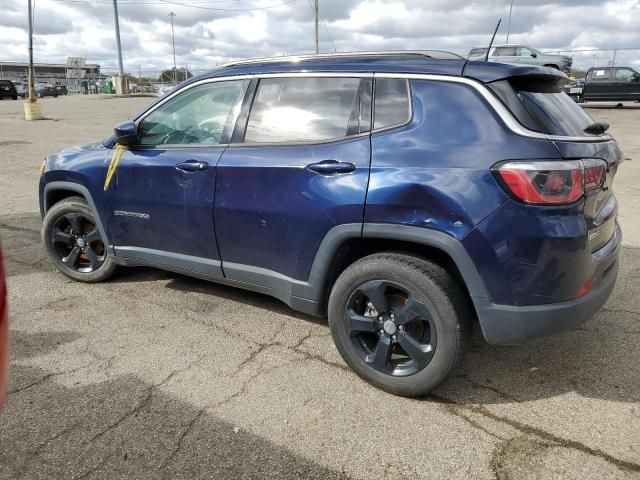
(425, 62)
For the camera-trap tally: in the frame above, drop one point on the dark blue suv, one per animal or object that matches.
(403, 195)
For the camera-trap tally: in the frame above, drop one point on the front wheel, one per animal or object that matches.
(73, 242)
(400, 322)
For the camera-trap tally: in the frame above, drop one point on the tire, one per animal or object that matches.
(15, 98)
(441, 327)
(73, 243)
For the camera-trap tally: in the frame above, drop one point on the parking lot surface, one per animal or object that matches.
(156, 375)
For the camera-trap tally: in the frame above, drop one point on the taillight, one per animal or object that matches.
(552, 182)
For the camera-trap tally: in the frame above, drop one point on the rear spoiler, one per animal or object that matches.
(488, 72)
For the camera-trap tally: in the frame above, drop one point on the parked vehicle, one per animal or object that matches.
(8, 90)
(45, 90)
(510, 53)
(611, 84)
(21, 89)
(62, 90)
(4, 334)
(402, 195)
(574, 88)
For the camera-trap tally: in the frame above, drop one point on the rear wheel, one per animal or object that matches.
(400, 322)
(73, 242)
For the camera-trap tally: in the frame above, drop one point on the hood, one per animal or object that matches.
(77, 157)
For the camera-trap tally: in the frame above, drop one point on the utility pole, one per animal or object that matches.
(32, 87)
(173, 43)
(117, 25)
(316, 12)
(509, 24)
(613, 62)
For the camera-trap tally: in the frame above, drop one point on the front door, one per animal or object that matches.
(160, 201)
(300, 169)
(625, 84)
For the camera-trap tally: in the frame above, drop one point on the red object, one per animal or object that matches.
(552, 183)
(4, 335)
(586, 288)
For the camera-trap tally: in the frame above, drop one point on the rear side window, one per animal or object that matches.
(600, 74)
(506, 51)
(542, 106)
(476, 52)
(303, 110)
(392, 103)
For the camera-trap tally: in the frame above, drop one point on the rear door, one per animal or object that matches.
(506, 54)
(598, 84)
(298, 168)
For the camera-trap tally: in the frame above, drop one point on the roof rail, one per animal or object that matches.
(435, 54)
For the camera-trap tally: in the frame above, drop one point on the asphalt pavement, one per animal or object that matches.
(157, 375)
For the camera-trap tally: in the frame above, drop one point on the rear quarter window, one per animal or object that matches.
(392, 102)
(542, 106)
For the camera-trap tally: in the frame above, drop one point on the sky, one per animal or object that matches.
(210, 32)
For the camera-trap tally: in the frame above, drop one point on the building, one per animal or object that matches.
(54, 73)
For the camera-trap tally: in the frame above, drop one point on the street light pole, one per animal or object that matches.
(509, 24)
(173, 43)
(316, 37)
(119, 46)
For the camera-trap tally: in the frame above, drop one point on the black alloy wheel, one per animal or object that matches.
(392, 331)
(77, 242)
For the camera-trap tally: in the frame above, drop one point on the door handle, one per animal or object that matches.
(192, 166)
(332, 167)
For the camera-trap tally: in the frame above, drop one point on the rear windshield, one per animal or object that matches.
(542, 106)
(476, 52)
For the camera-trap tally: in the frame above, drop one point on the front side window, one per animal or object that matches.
(526, 52)
(392, 104)
(196, 116)
(303, 110)
(624, 74)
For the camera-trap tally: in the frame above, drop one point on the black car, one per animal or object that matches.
(8, 89)
(46, 91)
(62, 90)
(611, 84)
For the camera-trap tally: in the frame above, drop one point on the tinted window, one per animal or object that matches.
(506, 51)
(543, 106)
(196, 116)
(302, 109)
(624, 74)
(391, 102)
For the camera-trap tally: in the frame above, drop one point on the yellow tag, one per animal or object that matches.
(113, 165)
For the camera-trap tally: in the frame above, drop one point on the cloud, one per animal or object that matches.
(214, 33)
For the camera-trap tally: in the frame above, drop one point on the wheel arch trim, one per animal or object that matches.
(84, 192)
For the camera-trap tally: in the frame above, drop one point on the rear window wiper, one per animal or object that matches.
(596, 128)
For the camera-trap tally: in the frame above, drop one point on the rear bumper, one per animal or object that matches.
(506, 324)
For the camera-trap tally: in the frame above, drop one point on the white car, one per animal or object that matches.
(21, 88)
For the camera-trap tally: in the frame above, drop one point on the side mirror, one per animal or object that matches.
(126, 133)
(534, 54)
(635, 77)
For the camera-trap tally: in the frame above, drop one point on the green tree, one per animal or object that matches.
(175, 73)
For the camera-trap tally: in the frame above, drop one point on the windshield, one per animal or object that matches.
(541, 106)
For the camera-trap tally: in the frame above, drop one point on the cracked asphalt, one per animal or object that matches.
(157, 375)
